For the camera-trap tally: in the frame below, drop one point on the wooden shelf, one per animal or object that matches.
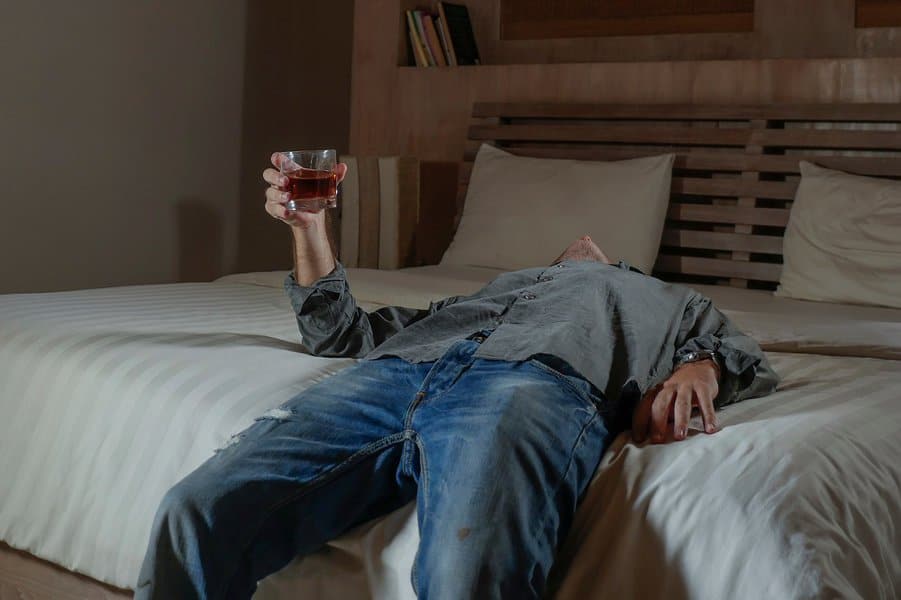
(782, 29)
(415, 68)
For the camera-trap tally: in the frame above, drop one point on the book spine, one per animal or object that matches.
(418, 51)
(420, 29)
(439, 27)
(445, 31)
(461, 33)
(432, 39)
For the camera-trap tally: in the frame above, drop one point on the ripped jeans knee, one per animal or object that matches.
(279, 413)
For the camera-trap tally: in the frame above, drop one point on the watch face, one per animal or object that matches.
(696, 355)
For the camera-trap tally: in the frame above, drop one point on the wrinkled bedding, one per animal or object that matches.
(108, 397)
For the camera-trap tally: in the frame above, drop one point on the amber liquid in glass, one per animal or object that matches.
(311, 187)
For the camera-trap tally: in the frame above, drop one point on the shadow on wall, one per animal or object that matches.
(200, 241)
(281, 113)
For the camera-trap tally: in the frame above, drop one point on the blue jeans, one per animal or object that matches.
(496, 454)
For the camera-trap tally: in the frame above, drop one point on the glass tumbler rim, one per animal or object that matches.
(316, 151)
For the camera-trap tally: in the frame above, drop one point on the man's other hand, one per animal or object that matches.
(664, 412)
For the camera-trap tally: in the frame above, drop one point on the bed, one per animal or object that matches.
(108, 397)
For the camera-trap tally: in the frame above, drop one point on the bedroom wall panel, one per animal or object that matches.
(396, 120)
(544, 19)
(296, 95)
(782, 29)
(425, 111)
(115, 117)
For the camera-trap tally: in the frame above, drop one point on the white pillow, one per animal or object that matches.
(843, 240)
(523, 212)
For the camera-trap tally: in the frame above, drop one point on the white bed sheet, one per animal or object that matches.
(108, 397)
(788, 325)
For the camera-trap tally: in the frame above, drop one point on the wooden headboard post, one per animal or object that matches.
(735, 174)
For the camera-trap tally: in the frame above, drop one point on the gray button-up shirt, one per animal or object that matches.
(621, 330)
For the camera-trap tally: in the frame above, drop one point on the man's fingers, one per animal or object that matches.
(273, 177)
(708, 413)
(341, 170)
(276, 195)
(275, 204)
(660, 413)
(682, 412)
(280, 161)
(277, 210)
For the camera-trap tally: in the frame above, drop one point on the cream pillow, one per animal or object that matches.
(523, 212)
(843, 240)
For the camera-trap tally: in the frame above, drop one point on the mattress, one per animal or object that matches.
(108, 397)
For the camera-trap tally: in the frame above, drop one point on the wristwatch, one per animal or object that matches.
(695, 356)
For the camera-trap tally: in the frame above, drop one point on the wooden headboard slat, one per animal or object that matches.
(719, 188)
(717, 267)
(858, 113)
(731, 187)
(714, 213)
(835, 138)
(725, 161)
(735, 174)
(689, 136)
(744, 242)
(643, 134)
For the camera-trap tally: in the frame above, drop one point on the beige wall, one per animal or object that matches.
(120, 129)
(297, 95)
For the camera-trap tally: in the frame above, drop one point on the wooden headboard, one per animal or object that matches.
(735, 173)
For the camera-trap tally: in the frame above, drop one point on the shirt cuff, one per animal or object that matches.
(738, 368)
(331, 284)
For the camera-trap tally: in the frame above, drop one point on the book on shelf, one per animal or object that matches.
(416, 45)
(462, 40)
(442, 39)
(420, 29)
(432, 39)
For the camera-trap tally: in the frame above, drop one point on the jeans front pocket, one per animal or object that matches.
(577, 384)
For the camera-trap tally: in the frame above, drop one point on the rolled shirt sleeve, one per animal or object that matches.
(745, 371)
(331, 324)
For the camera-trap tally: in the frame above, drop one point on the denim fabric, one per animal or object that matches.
(495, 453)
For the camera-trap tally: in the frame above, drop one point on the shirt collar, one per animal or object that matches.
(621, 264)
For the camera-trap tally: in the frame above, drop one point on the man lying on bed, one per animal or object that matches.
(491, 410)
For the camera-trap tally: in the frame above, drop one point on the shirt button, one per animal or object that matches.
(529, 296)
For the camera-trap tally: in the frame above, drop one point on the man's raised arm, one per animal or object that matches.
(332, 324)
(328, 317)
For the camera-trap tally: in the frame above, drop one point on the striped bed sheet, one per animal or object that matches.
(108, 397)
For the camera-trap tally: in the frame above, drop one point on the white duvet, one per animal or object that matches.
(108, 397)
